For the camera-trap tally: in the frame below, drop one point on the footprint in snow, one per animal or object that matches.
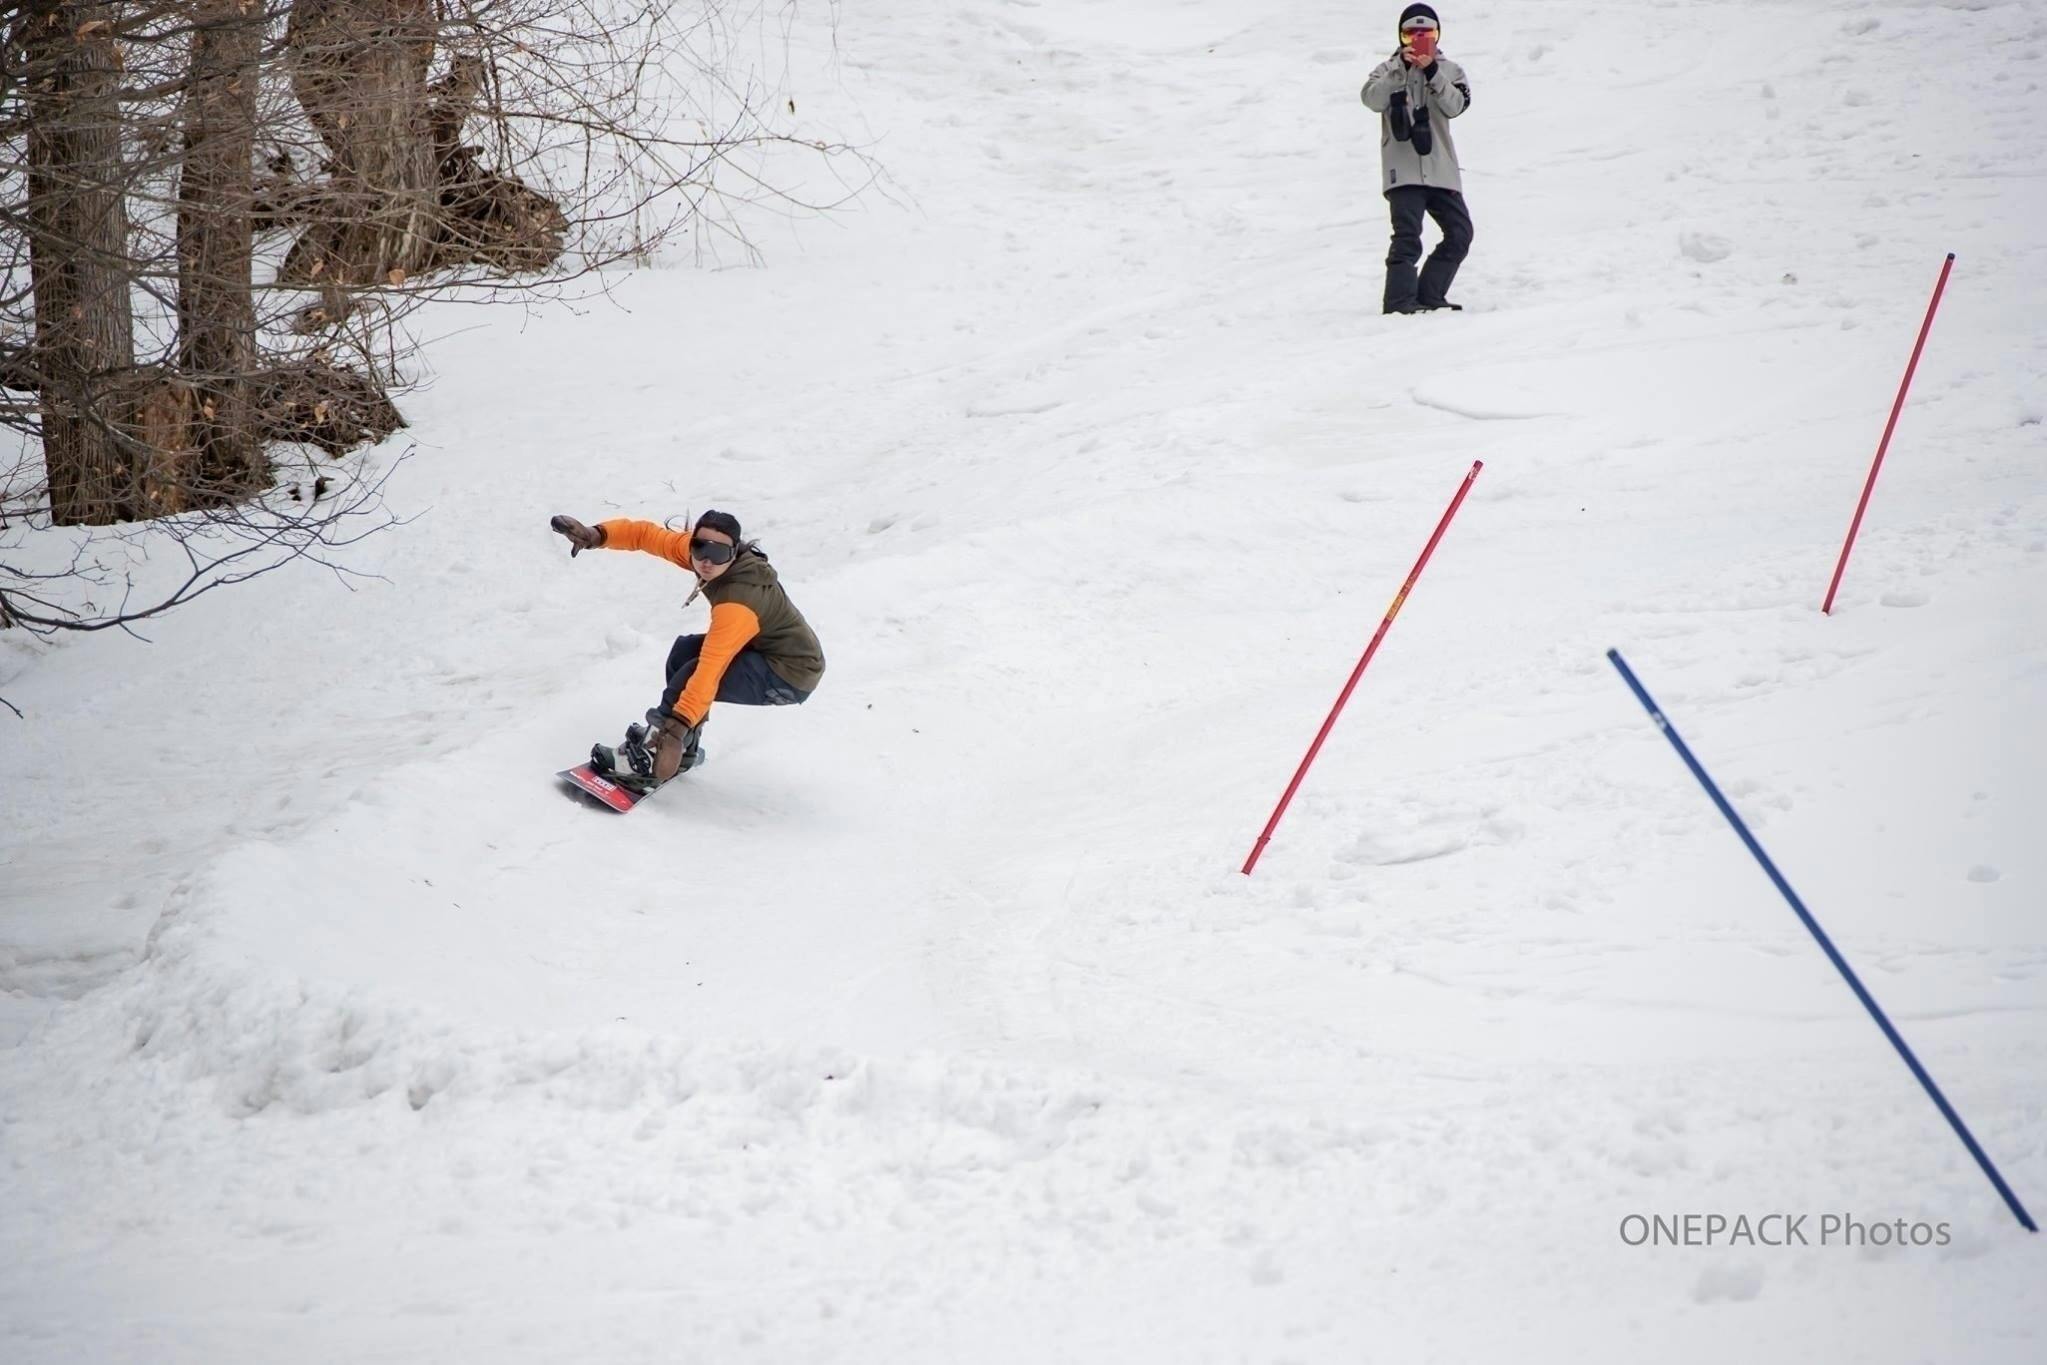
(1704, 247)
(1411, 836)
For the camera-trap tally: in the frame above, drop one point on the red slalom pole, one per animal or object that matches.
(1827, 607)
(1265, 837)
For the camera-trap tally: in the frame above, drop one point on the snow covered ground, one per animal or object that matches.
(932, 1021)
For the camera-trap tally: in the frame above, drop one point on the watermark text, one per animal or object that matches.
(1778, 1230)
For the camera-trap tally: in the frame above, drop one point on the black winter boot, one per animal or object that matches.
(1433, 289)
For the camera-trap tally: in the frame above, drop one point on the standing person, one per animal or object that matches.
(1416, 92)
(759, 652)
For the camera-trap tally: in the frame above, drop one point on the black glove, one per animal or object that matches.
(1424, 137)
(581, 537)
(1396, 110)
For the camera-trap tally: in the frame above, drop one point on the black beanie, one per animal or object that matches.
(1418, 12)
(720, 521)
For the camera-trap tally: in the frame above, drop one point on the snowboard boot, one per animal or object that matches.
(630, 764)
(1402, 281)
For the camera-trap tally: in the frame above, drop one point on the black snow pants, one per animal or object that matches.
(1405, 289)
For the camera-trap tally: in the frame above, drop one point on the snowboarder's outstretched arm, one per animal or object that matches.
(625, 533)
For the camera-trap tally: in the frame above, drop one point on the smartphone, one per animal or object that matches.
(1424, 45)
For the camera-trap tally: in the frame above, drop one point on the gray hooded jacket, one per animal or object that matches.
(1445, 94)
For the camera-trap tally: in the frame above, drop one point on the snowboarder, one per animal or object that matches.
(759, 652)
(1416, 92)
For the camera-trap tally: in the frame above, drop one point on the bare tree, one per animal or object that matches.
(359, 69)
(77, 229)
(219, 217)
(128, 322)
(217, 353)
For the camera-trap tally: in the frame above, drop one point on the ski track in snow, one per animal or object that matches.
(932, 1020)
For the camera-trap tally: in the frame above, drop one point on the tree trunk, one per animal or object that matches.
(216, 191)
(78, 255)
(359, 69)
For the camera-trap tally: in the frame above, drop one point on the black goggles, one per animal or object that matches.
(712, 551)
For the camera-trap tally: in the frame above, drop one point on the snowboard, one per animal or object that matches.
(615, 795)
(601, 789)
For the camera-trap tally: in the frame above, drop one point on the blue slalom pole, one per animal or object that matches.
(1826, 944)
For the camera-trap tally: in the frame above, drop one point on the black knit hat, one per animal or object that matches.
(1418, 12)
(719, 521)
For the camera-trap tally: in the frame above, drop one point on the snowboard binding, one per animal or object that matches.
(630, 764)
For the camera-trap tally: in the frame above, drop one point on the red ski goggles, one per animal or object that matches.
(1416, 28)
